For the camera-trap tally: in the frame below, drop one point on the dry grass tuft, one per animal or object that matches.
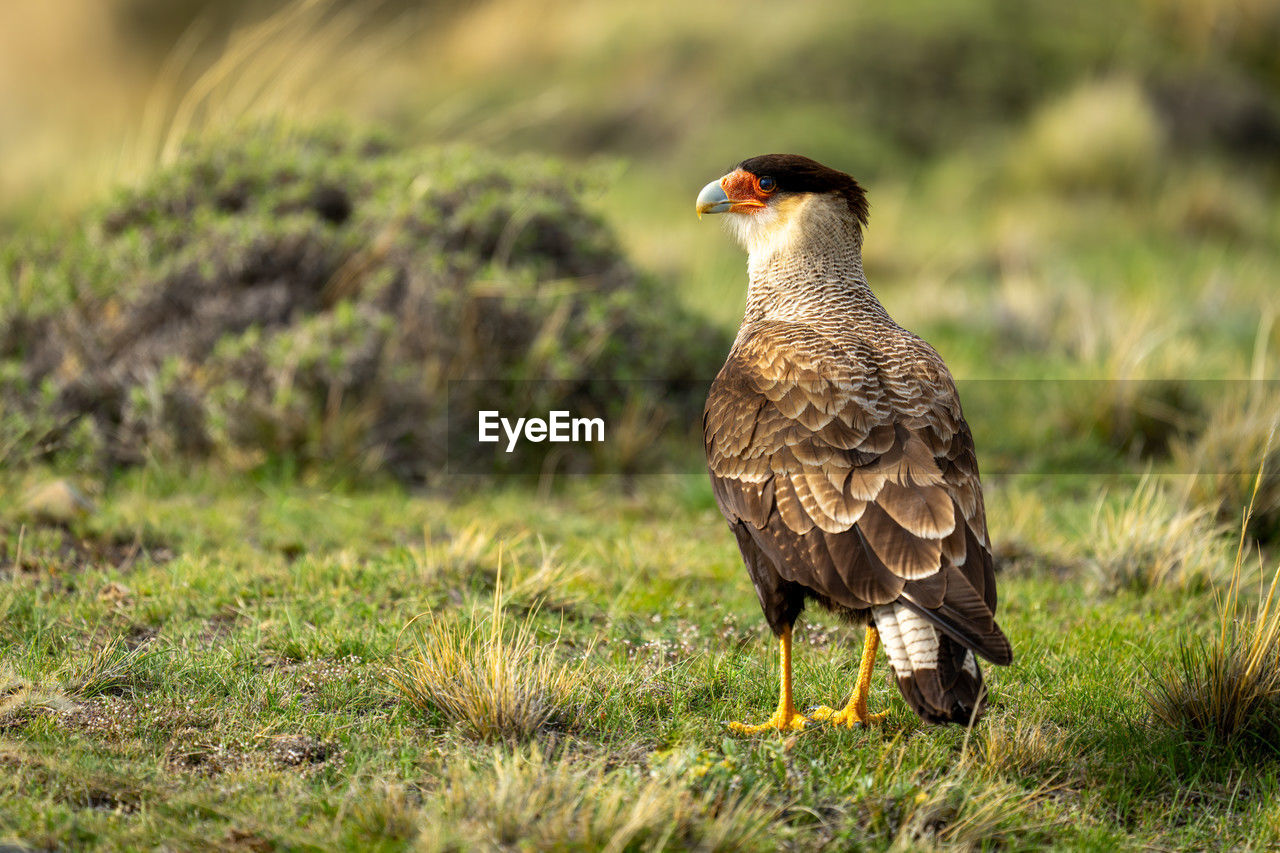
(1151, 541)
(379, 812)
(297, 62)
(1224, 691)
(1129, 351)
(1027, 747)
(20, 697)
(531, 801)
(464, 558)
(966, 807)
(1140, 418)
(545, 583)
(459, 556)
(971, 813)
(1207, 204)
(1031, 539)
(112, 669)
(1125, 353)
(1225, 455)
(490, 675)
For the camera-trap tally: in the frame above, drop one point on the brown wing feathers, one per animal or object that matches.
(859, 487)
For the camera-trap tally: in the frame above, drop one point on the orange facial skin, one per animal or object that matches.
(743, 189)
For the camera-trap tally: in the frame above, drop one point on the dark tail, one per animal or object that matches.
(952, 693)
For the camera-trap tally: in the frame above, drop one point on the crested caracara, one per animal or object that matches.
(839, 454)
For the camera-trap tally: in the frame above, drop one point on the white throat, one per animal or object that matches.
(805, 259)
(807, 223)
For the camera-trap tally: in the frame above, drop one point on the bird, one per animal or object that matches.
(840, 457)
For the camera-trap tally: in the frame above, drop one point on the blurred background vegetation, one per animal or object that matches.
(1061, 191)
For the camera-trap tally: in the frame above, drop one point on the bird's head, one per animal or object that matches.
(775, 199)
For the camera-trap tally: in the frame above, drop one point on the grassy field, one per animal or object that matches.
(206, 661)
(275, 638)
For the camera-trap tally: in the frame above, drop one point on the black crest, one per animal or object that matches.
(798, 174)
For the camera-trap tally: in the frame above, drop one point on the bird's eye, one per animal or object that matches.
(767, 184)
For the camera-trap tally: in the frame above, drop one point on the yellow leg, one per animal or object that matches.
(855, 713)
(786, 718)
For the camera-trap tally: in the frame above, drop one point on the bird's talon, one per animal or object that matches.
(847, 717)
(790, 722)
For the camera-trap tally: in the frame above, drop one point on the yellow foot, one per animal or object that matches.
(848, 716)
(781, 721)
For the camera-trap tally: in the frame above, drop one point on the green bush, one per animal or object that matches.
(1104, 136)
(309, 296)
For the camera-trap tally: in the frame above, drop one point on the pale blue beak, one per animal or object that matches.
(713, 199)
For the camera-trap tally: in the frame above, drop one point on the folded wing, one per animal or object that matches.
(855, 476)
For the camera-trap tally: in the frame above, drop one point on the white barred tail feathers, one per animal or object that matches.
(938, 677)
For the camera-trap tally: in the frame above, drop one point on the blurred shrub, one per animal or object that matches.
(309, 295)
(1243, 32)
(1211, 204)
(930, 75)
(1224, 109)
(1137, 417)
(1101, 137)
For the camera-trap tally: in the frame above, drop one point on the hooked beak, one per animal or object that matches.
(713, 199)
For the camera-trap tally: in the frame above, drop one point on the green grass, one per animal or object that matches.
(234, 680)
